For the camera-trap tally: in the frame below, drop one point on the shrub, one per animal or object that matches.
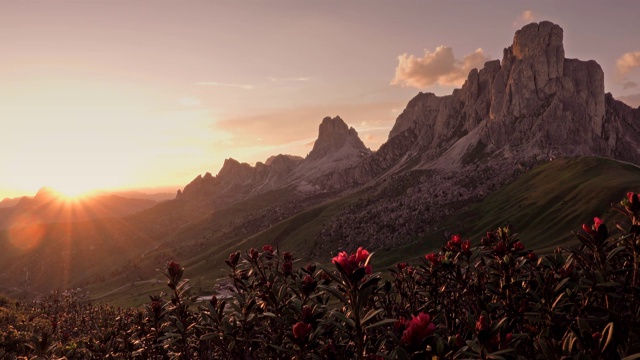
(490, 300)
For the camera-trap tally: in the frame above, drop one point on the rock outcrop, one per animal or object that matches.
(534, 104)
(337, 147)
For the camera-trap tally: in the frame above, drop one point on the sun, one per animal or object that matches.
(74, 192)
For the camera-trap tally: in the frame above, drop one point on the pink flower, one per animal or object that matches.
(267, 248)
(301, 330)
(418, 329)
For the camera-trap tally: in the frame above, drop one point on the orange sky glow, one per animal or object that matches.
(148, 94)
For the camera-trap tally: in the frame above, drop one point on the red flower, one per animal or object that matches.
(368, 269)
(433, 258)
(508, 338)
(500, 248)
(308, 284)
(287, 256)
(267, 248)
(349, 263)
(301, 330)
(466, 246)
(287, 268)
(174, 269)
(482, 323)
(633, 197)
(455, 242)
(418, 329)
(233, 259)
(362, 255)
(342, 259)
(307, 314)
(517, 246)
(598, 229)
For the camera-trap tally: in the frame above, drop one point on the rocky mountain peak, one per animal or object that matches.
(538, 39)
(335, 135)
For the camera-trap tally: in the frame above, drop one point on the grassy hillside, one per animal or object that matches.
(544, 205)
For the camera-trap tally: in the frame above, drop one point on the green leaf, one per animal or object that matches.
(342, 317)
(607, 334)
(474, 346)
(381, 323)
(370, 315)
(632, 357)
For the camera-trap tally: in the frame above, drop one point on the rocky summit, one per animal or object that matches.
(533, 105)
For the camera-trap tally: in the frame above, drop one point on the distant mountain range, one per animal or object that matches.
(49, 206)
(448, 162)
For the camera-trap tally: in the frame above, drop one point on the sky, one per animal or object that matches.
(110, 94)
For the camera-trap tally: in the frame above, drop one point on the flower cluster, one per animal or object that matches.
(418, 329)
(349, 263)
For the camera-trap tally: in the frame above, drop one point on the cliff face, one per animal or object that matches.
(534, 104)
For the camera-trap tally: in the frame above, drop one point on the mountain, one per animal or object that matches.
(10, 202)
(49, 206)
(445, 152)
(531, 139)
(337, 147)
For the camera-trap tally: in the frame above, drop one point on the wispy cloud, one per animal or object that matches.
(214, 83)
(629, 85)
(436, 68)
(292, 79)
(292, 125)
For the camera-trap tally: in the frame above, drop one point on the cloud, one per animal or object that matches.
(213, 83)
(294, 125)
(629, 85)
(631, 100)
(527, 16)
(294, 79)
(627, 62)
(436, 68)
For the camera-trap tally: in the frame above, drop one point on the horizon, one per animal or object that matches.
(117, 97)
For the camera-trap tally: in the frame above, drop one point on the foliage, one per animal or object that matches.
(491, 300)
